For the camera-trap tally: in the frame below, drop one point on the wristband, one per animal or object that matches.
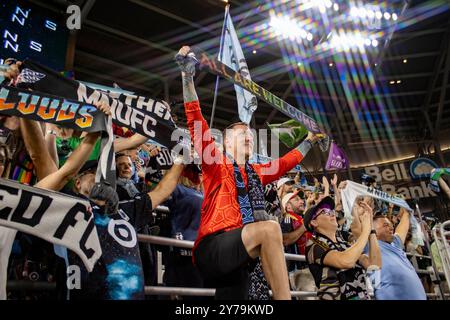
(304, 147)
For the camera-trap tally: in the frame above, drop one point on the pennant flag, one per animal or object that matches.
(291, 132)
(337, 160)
(233, 57)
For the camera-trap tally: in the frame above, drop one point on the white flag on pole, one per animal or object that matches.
(233, 57)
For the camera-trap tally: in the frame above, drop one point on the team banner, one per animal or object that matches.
(218, 68)
(67, 113)
(146, 116)
(52, 216)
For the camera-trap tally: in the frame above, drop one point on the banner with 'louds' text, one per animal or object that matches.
(67, 113)
(146, 116)
(52, 216)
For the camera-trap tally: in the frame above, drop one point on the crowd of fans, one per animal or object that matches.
(342, 261)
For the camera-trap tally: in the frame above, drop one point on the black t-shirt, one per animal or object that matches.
(118, 273)
(333, 283)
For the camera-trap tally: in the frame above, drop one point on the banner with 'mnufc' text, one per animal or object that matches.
(34, 105)
(146, 116)
(52, 216)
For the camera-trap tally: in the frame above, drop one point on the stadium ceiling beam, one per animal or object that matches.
(120, 65)
(126, 35)
(412, 55)
(381, 78)
(87, 7)
(443, 92)
(414, 34)
(432, 85)
(171, 15)
(107, 78)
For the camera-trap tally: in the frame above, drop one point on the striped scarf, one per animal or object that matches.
(252, 206)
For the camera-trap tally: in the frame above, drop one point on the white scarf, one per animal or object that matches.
(354, 190)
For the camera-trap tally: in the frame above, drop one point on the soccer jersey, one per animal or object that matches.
(334, 283)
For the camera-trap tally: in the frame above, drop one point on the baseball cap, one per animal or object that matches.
(283, 181)
(289, 196)
(88, 166)
(310, 214)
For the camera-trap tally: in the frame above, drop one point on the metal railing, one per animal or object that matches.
(443, 248)
(160, 290)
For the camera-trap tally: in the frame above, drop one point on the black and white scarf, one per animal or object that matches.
(252, 206)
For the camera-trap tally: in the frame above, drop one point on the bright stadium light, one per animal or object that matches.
(346, 41)
(336, 7)
(362, 12)
(374, 43)
(394, 17)
(286, 27)
(379, 15)
(387, 15)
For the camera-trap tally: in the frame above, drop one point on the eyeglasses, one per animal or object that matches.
(326, 211)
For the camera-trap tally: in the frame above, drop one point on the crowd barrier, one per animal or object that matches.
(162, 290)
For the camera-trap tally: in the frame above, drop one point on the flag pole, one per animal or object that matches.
(222, 38)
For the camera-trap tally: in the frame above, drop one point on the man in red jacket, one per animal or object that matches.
(230, 236)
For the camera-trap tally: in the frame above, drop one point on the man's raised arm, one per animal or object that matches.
(201, 136)
(57, 180)
(273, 170)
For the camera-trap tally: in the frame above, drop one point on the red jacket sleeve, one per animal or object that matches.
(201, 136)
(273, 170)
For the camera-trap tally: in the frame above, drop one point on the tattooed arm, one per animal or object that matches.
(203, 142)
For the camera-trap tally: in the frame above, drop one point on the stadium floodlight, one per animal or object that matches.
(288, 28)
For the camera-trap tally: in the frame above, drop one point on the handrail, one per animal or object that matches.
(417, 255)
(205, 292)
(190, 244)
